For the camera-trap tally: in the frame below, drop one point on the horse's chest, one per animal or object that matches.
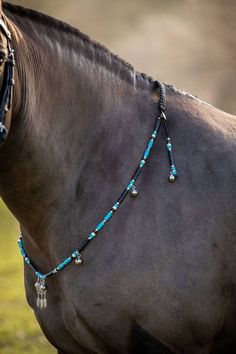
(78, 316)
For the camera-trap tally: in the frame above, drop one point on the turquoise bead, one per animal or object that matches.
(174, 171)
(146, 154)
(116, 206)
(150, 144)
(100, 226)
(142, 163)
(27, 260)
(64, 263)
(92, 235)
(154, 134)
(75, 254)
(131, 183)
(61, 266)
(22, 252)
(108, 216)
(67, 261)
(40, 275)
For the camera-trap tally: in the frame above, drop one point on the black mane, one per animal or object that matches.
(104, 54)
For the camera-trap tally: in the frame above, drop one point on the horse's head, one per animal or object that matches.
(6, 77)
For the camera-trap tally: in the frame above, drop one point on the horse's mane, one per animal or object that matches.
(105, 56)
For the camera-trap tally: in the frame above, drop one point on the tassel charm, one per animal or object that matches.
(41, 293)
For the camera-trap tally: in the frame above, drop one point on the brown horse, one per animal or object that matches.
(161, 277)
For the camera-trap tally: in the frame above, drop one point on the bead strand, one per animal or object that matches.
(130, 188)
(173, 171)
(101, 225)
(108, 216)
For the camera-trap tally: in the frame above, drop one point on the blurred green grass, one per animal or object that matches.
(19, 331)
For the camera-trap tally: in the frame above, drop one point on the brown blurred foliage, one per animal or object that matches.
(188, 43)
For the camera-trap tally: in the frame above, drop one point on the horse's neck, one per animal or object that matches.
(80, 140)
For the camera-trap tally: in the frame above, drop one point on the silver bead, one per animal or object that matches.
(43, 288)
(37, 285)
(171, 178)
(78, 261)
(134, 192)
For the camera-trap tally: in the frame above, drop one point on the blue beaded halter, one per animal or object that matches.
(130, 189)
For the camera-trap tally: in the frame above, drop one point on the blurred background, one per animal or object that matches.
(188, 43)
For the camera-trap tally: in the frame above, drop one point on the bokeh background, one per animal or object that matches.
(188, 43)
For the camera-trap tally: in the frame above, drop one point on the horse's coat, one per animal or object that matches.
(162, 274)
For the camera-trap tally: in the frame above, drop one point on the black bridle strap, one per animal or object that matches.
(8, 83)
(4, 28)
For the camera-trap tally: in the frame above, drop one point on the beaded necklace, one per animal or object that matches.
(40, 285)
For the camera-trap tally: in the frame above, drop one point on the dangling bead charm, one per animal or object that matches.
(171, 178)
(78, 260)
(173, 171)
(134, 192)
(41, 293)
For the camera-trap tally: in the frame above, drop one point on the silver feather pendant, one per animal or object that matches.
(41, 293)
